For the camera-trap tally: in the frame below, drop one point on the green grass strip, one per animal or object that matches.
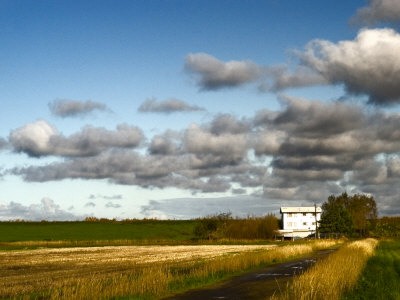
(381, 276)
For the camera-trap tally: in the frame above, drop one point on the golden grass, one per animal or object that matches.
(329, 278)
(100, 273)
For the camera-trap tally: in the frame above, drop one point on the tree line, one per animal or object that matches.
(224, 226)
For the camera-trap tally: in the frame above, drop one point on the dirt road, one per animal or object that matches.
(259, 284)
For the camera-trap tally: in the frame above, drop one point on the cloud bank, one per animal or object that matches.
(307, 150)
(47, 209)
(185, 208)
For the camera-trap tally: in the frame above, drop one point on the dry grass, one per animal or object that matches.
(329, 278)
(105, 272)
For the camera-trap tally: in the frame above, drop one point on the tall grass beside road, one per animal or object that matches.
(331, 277)
(103, 277)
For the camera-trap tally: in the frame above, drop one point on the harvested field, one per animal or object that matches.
(128, 254)
(144, 271)
(31, 270)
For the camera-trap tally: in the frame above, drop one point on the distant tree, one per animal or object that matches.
(335, 218)
(346, 213)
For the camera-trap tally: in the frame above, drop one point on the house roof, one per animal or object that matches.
(308, 209)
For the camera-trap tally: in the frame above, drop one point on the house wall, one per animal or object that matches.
(300, 221)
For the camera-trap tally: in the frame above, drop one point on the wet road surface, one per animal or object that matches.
(259, 284)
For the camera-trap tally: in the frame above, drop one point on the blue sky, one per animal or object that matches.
(228, 86)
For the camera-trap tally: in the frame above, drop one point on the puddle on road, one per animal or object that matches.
(272, 274)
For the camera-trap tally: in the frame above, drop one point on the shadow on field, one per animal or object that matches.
(259, 284)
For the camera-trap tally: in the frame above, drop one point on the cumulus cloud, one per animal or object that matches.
(72, 108)
(167, 106)
(378, 11)
(90, 204)
(302, 152)
(46, 210)
(213, 74)
(368, 65)
(40, 138)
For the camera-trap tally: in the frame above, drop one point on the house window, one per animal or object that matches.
(305, 223)
(313, 223)
(289, 215)
(304, 214)
(289, 224)
(294, 224)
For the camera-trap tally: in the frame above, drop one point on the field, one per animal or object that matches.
(97, 231)
(141, 272)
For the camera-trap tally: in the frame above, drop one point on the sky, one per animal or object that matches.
(181, 109)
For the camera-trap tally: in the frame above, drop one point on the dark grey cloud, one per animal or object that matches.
(309, 192)
(213, 74)
(162, 145)
(167, 106)
(46, 210)
(317, 119)
(72, 108)
(40, 138)
(377, 11)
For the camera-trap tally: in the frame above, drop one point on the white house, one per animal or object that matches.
(299, 221)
